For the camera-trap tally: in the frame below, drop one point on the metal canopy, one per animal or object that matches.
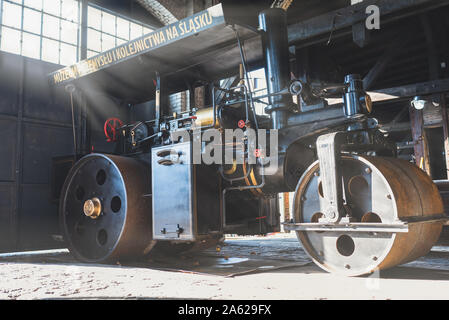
(201, 47)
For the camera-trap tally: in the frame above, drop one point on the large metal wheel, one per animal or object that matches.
(104, 214)
(376, 190)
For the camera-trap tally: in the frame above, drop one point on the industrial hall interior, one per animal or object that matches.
(224, 150)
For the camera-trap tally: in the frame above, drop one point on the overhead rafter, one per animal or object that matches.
(331, 22)
(394, 49)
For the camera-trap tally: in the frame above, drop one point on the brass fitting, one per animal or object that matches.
(92, 208)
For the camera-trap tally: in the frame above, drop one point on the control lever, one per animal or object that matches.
(328, 150)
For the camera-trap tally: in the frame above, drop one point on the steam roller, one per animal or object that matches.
(389, 206)
(176, 181)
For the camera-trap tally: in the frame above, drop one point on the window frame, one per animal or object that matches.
(41, 35)
(82, 27)
(115, 36)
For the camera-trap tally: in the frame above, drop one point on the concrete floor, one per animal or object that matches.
(273, 267)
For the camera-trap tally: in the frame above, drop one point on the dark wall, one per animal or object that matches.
(35, 126)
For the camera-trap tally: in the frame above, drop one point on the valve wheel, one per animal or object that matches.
(111, 127)
(376, 190)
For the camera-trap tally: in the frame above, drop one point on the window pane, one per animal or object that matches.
(10, 40)
(69, 32)
(94, 18)
(36, 4)
(108, 42)
(50, 50)
(51, 27)
(31, 45)
(147, 30)
(12, 15)
(68, 54)
(91, 53)
(17, 1)
(136, 31)
(108, 23)
(123, 28)
(93, 40)
(70, 10)
(120, 42)
(53, 7)
(32, 21)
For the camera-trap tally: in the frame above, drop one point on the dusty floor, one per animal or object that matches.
(273, 267)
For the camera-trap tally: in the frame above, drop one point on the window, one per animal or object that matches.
(50, 30)
(41, 29)
(107, 30)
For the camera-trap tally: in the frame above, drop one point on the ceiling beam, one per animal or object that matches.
(330, 23)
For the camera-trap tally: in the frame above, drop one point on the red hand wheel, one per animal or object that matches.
(110, 128)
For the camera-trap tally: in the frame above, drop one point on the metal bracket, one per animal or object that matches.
(172, 229)
(396, 227)
(328, 150)
(399, 227)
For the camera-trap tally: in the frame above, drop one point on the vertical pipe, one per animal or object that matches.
(83, 40)
(419, 139)
(273, 24)
(445, 132)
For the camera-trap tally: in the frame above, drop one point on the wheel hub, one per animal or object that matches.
(92, 208)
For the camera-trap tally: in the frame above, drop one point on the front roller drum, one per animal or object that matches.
(378, 191)
(104, 212)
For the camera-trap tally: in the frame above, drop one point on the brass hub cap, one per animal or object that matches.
(92, 208)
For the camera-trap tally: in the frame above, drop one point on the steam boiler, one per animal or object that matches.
(357, 207)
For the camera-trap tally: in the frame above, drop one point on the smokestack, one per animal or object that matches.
(273, 23)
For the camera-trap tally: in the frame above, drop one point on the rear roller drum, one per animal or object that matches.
(104, 213)
(376, 190)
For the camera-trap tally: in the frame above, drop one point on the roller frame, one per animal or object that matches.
(328, 150)
(400, 227)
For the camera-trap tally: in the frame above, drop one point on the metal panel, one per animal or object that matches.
(42, 101)
(172, 185)
(6, 208)
(38, 218)
(34, 126)
(9, 83)
(8, 129)
(41, 144)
